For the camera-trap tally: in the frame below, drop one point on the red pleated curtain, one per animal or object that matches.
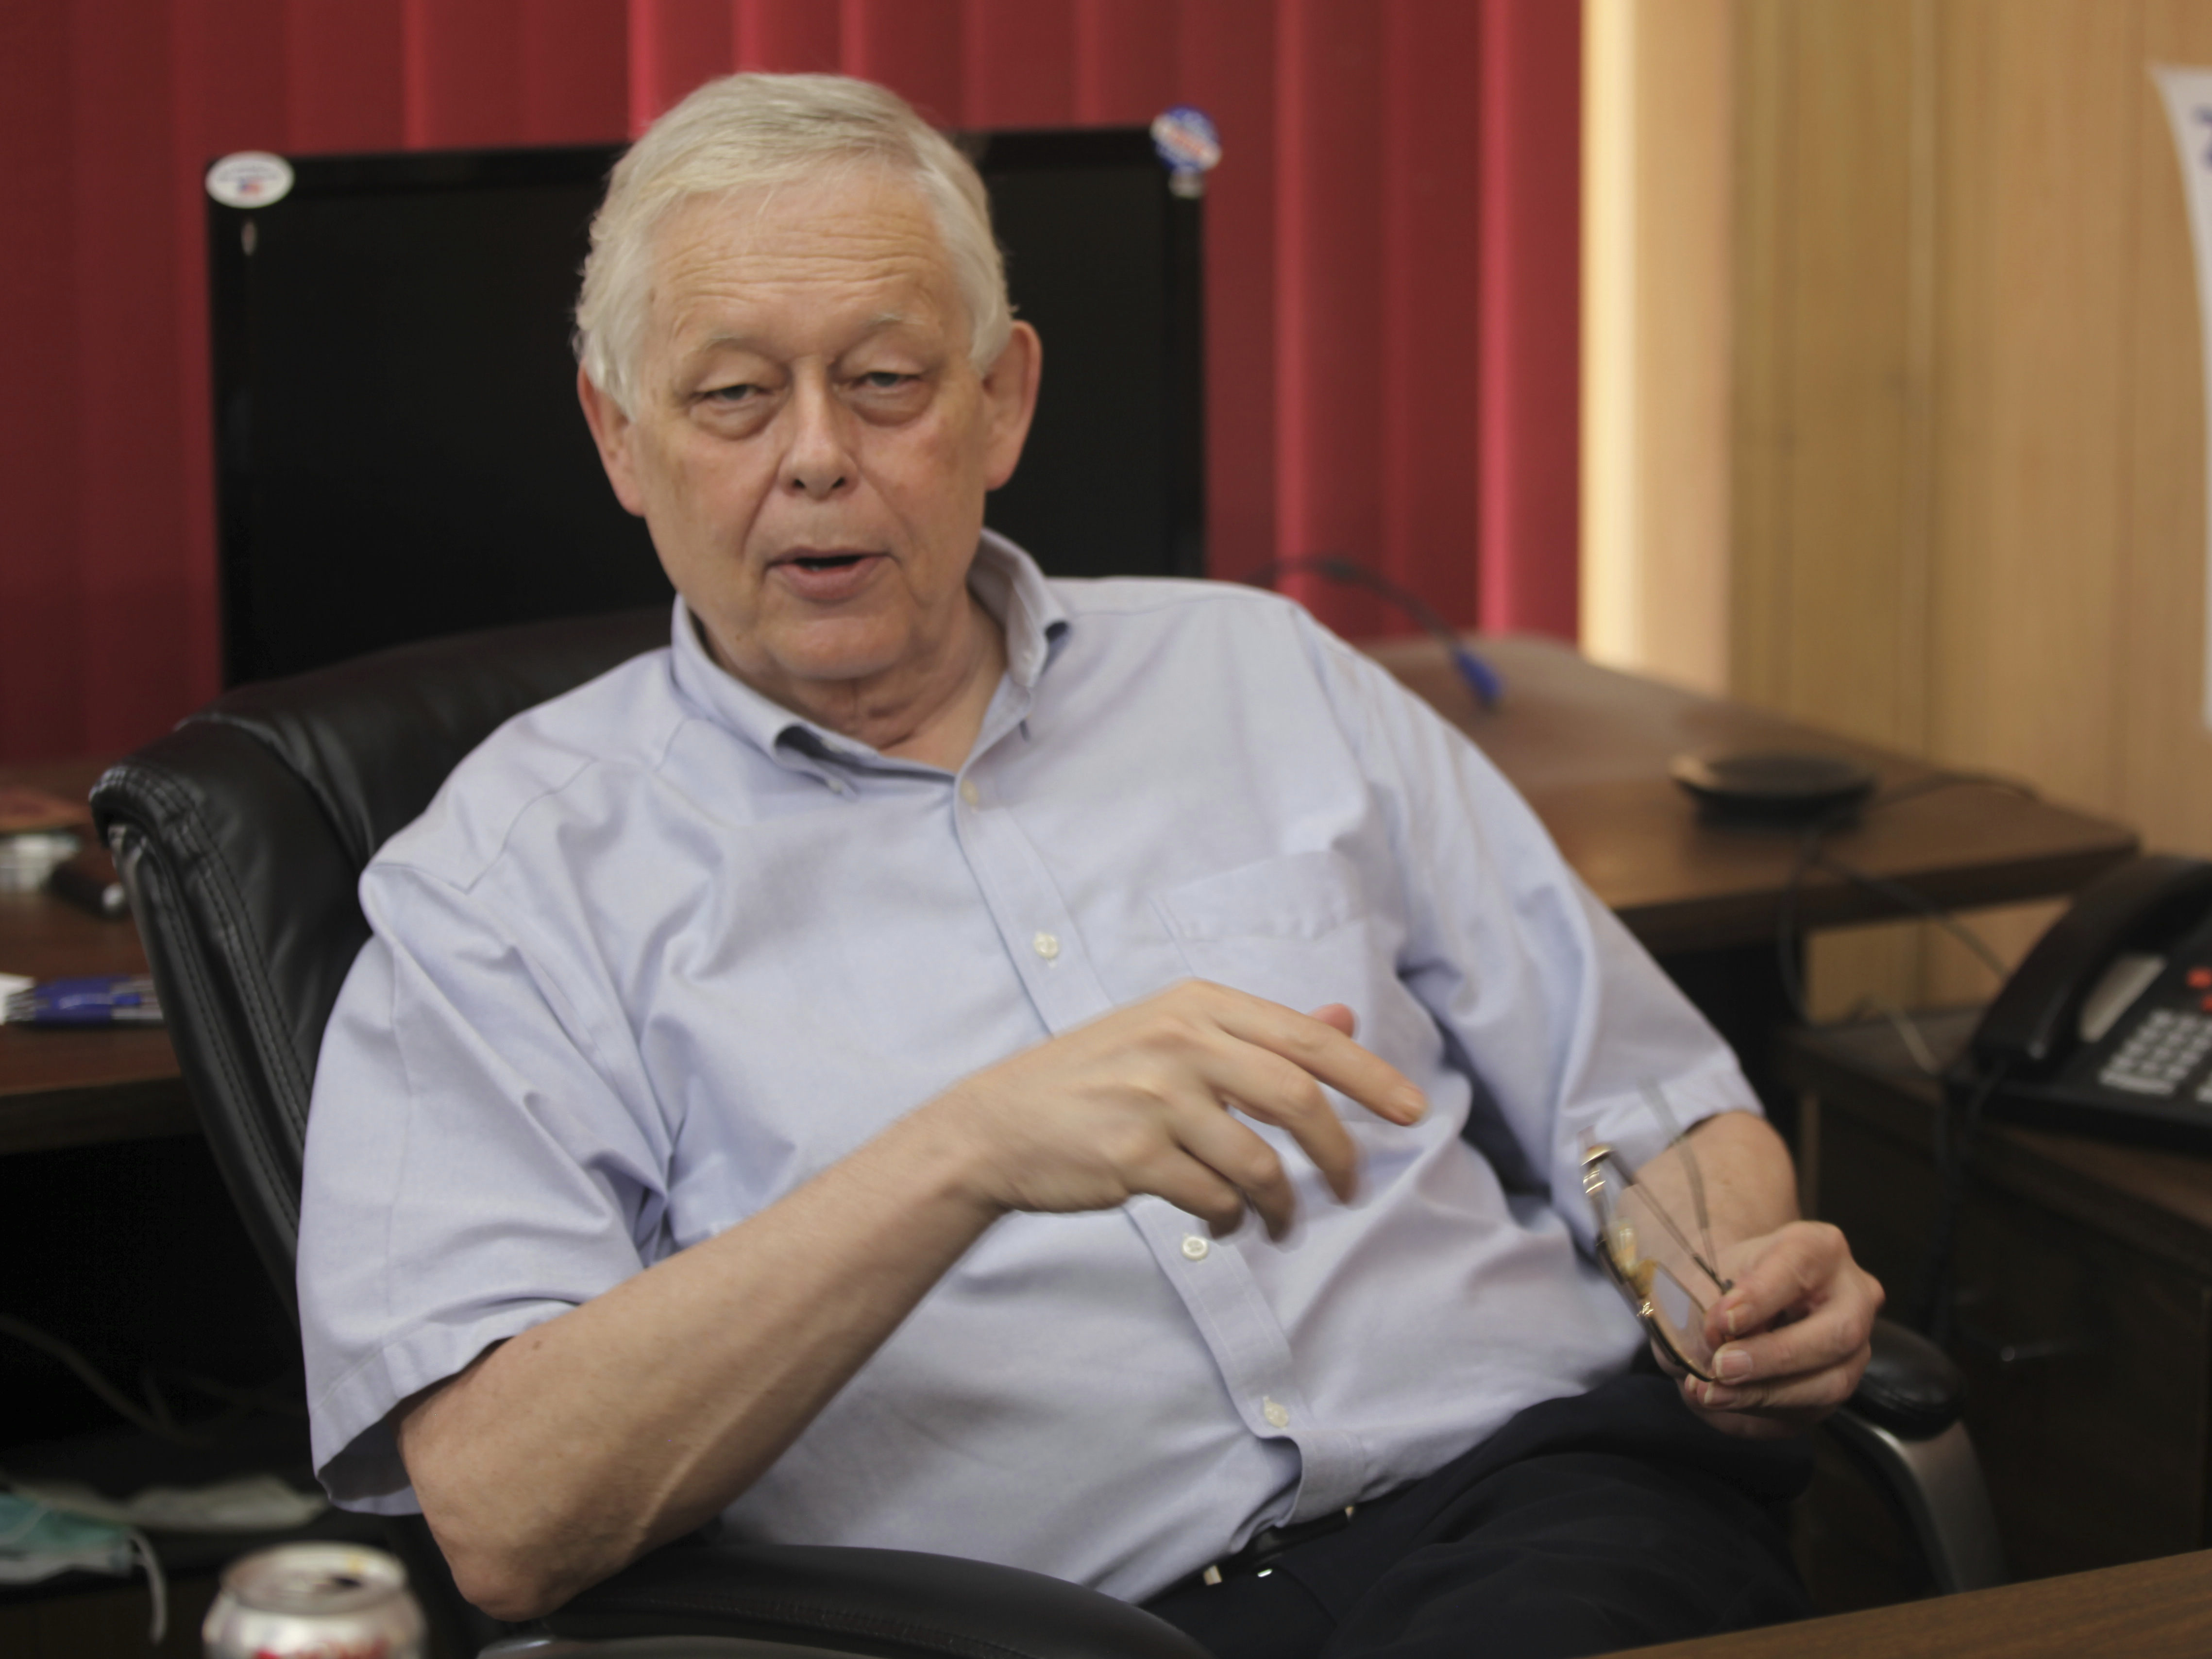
(1391, 276)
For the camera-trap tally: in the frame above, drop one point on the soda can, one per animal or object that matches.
(314, 1602)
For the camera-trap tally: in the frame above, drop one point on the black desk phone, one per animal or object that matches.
(2107, 1026)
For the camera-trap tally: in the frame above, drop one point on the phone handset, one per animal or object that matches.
(2097, 958)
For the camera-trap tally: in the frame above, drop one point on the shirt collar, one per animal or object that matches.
(1004, 578)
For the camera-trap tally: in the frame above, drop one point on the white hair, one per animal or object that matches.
(751, 132)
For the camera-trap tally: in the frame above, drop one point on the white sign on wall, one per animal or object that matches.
(2188, 94)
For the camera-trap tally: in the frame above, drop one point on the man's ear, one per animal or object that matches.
(1010, 394)
(614, 433)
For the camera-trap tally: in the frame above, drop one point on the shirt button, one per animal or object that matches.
(1046, 946)
(968, 792)
(1278, 1414)
(1195, 1246)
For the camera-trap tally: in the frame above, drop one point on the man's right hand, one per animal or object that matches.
(1141, 1101)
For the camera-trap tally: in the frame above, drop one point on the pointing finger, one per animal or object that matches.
(1320, 1048)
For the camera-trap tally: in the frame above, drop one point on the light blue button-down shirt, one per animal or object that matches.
(661, 951)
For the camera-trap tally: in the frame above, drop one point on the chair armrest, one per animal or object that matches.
(1903, 1427)
(892, 1604)
(1910, 1386)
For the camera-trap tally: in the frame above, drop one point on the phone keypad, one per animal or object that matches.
(2166, 1048)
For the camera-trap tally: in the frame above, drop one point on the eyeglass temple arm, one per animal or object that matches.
(1628, 1179)
(1655, 1098)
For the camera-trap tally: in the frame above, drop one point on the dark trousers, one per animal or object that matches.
(1610, 1520)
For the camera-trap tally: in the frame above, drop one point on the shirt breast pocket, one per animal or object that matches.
(1298, 930)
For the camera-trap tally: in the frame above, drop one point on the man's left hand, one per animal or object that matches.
(1791, 1338)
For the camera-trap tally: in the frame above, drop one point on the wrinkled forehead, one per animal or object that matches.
(829, 236)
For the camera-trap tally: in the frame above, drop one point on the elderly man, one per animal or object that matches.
(1085, 1075)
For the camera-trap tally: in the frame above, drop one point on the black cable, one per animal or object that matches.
(155, 1416)
(1912, 899)
(1811, 853)
(1955, 1133)
(1934, 1301)
(1480, 677)
(1788, 943)
(122, 1405)
(1909, 1034)
(277, 1398)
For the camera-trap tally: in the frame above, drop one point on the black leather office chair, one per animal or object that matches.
(242, 836)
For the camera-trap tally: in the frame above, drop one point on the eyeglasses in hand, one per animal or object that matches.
(1670, 1281)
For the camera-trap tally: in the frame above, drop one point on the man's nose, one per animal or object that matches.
(818, 462)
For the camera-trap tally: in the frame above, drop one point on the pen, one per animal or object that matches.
(101, 1000)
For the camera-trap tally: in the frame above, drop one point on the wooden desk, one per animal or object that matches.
(78, 1088)
(2156, 1610)
(1589, 747)
(2150, 1610)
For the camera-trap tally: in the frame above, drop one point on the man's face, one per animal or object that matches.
(810, 444)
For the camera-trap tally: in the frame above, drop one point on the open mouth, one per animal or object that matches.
(828, 577)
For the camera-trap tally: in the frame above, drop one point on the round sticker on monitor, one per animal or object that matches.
(1188, 143)
(249, 179)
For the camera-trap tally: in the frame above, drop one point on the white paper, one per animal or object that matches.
(247, 1503)
(2188, 94)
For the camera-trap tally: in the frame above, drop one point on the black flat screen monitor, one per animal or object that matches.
(398, 450)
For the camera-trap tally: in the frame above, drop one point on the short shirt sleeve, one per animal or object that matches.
(480, 1157)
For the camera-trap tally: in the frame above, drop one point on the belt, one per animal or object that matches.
(1269, 1542)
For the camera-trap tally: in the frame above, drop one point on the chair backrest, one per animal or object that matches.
(242, 836)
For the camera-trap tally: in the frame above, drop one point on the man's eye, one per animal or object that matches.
(732, 394)
(885, 380)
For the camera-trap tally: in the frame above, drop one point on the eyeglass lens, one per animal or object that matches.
(1657, 1267)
